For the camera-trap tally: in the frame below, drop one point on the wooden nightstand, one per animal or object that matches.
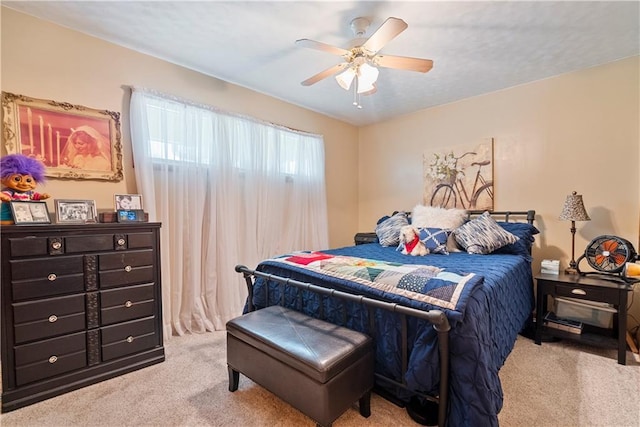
(588, 288)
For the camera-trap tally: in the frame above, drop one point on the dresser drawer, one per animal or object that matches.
(131, 302)
(28, 246)
(125, 268)
(43, 268)
(140, 240)
(120, 260)
(110, 279)
(89, 243)
(47, 318)
(47, 286)
(127, 338)
(51, 357)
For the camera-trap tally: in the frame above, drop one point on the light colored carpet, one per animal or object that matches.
(556, 384)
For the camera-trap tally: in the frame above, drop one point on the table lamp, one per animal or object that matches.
(573, 210)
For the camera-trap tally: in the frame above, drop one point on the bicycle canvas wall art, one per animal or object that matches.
(459, 177)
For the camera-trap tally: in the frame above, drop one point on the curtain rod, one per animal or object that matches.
(217, 110)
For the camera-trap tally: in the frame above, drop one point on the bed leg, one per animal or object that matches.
(443, 346)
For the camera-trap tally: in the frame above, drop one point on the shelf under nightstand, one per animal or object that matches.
(589, 289)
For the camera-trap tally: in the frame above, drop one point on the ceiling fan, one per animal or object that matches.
(361, 61)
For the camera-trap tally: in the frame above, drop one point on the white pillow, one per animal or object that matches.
(434, 217)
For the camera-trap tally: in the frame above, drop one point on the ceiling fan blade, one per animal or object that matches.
(312, 44)
(371, 92)
(404, 63)
(324, 74)
(383, 35)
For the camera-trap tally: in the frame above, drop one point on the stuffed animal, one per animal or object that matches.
(410, 242)
(19, 175)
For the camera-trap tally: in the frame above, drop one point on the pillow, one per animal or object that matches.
(388, 231)
(525, 232)
(383, 219)
(435, 239)
(483, 235)
(435, 217)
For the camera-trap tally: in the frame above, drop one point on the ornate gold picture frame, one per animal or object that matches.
(72, 141)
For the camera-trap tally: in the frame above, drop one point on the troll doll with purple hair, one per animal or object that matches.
(19, 176)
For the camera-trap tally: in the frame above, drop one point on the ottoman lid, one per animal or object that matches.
(314, 347)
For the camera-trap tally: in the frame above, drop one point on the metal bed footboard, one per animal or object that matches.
(436, 317)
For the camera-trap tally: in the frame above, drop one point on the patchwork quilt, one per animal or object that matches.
(440, 287)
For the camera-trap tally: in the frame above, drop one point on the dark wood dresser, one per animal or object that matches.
(81, 303)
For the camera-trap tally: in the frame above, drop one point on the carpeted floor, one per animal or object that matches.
(556, 384)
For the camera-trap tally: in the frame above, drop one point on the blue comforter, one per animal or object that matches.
(480, 341)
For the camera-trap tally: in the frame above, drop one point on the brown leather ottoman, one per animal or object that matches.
(318, 368)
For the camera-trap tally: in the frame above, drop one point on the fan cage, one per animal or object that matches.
(609, 253)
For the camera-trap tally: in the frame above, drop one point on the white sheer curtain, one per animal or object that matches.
(228, 189)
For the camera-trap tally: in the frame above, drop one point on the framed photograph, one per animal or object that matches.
(72, 141)
(128, 201)
(32, 212)
(76, 211)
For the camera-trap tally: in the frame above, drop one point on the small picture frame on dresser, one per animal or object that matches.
(75, 211)
(127, 201)
(30, 212)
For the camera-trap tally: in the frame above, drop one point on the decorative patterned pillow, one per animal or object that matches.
(435, 239)
(483, 235)
(388, 231)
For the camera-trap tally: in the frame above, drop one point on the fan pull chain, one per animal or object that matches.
(356, 95)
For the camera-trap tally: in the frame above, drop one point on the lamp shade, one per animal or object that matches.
(573, 209)
(367, 76)
(344, 79)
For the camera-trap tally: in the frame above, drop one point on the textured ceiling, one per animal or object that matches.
(477, 47)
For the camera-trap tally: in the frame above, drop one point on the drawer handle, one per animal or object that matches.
(127, 268)
(53, 318)
(578, 292)
(128, 304)
(56, 245)
(121, 242)
(130, 338)
(53, 359)
(52, 277)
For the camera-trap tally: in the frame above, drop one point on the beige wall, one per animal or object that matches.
(577, 131)
(42, 60)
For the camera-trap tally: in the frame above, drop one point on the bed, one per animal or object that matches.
(487, 299)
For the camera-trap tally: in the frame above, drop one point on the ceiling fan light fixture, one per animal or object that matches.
(359, 68)
(367, 76)
(346, 78)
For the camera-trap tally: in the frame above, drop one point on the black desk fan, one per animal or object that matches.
(608, 255)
